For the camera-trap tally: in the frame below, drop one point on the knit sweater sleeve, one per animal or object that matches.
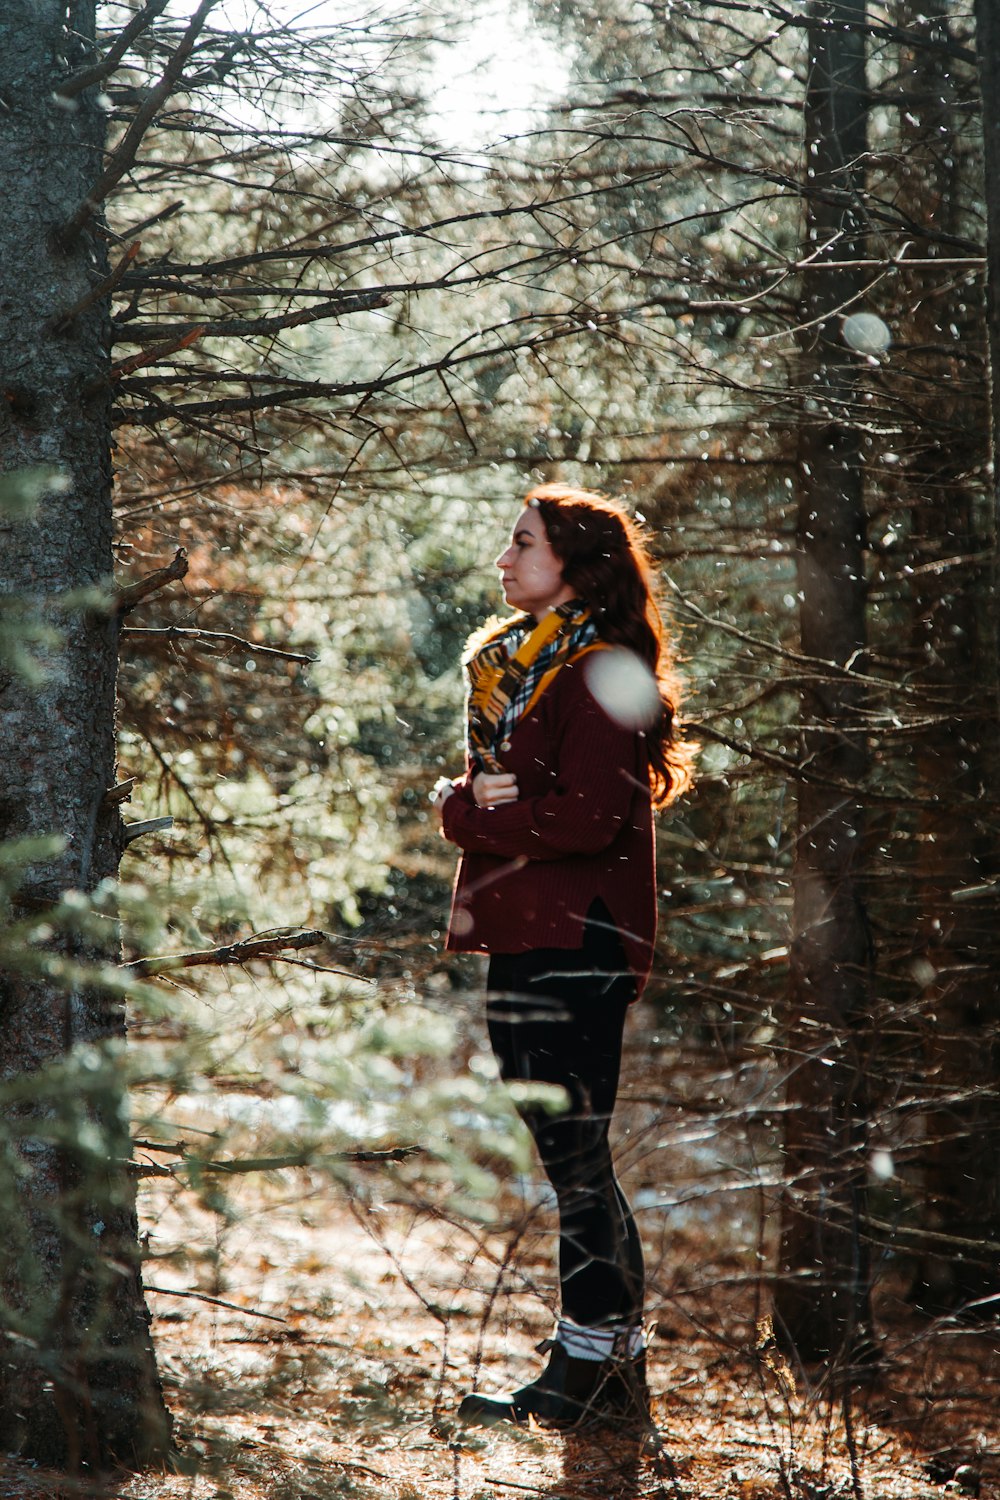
(463, 784)
(591, 795)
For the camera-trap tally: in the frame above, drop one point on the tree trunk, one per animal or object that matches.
(955, 658)
(988, 54)
(821, 1299)
(78, 1382)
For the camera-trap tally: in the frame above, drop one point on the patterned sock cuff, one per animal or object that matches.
(609, 1340)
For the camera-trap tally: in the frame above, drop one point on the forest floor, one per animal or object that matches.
(348, 1321)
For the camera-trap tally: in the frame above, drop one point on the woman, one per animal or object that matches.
(571, 742)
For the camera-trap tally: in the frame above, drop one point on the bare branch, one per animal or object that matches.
(287, 392)
(426, 231)
(197, 637)
(131, 594)
(237, 1167)
(230, 953)
(800, 771)
(811, 665)
(147, 223)
(144, 357)
(306, 963)
(246, 1166)
(120, 793)
(301, 1158)
(77, 82)
(348, 302)
(250, 1312)
(124, 155)
(135, 831)
(140, 1169)
(870, 27)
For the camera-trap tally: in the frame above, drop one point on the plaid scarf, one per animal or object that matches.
(511, 666)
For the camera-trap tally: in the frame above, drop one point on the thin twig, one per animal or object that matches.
(305, 963)
(836, 671)
(250, 1312)
(285, 392)
(207, 822)
(151, 219)
(141, 1169)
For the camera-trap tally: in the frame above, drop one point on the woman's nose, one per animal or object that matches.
(504, 558)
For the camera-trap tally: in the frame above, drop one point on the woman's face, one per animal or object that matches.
(530, 571)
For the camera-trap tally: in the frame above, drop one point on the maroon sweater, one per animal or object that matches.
(581, 828)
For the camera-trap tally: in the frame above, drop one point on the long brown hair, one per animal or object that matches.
(606, 561)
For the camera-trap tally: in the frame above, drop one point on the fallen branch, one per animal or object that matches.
(129, 595)
(251, 1312)
(190, 633)
(238, 1167)
(230, 953)
(243, 1166)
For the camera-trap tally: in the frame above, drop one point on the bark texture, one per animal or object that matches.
(987, 14)
(821, 1295)
(955, 658)
(78, 1380)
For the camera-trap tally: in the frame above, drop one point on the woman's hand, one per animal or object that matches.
(440, 793)
(491, 788)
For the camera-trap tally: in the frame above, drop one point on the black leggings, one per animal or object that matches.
(557, 1015)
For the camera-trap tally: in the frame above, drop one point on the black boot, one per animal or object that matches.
(569, 1393)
